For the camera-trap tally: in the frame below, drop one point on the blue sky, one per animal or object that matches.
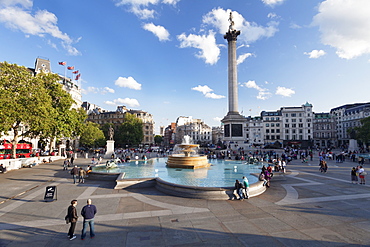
(169, 57)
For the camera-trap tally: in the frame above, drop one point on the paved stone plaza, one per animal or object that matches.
(302, 208)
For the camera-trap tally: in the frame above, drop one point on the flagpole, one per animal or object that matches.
(65, 73)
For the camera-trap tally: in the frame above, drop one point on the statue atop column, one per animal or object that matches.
(231, 27)
(231, 34)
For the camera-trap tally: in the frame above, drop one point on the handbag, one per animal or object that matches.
(67, 219)
(363, 173)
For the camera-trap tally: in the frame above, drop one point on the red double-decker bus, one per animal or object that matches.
(24, 149)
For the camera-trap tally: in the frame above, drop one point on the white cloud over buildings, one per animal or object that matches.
(128, 82)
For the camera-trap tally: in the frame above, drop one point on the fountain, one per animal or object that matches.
(185, 156)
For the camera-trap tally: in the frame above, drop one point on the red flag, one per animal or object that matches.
(75, 72)
(71, 67)
(77, 77)
(62, 63)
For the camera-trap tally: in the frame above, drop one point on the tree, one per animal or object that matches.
(66, 122)
(130, 132)
(362, 133)
(158, 139)
(24, 100)
(92, 135)
(36, 101)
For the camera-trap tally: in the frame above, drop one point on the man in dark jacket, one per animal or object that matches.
(74, 173)
(72, 218)
(88, 212)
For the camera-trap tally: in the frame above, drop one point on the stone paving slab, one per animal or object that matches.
(304, 208)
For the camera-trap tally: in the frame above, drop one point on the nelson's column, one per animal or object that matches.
(233, 122)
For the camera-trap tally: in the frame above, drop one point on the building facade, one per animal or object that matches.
(324, 130)
(199, 132)
(117, 118)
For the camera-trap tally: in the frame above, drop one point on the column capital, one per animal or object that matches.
(232, 35)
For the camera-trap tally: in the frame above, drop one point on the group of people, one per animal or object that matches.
(68, 163)
(241, 189)
(358, 172)
(80, 173)
(88, 213)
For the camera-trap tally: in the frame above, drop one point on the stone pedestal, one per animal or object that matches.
(110, 149)
(62, 150)
(352, 145)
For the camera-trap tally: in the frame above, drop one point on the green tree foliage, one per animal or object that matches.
(158, 139)
(38, 102)
(130, 132)
(92, 135)
(362, 133)
(24, 100)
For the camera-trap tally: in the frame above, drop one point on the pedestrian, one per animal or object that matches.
(354, 178)
(245, 183)
(65, 165)
(81, 175)
(88, 213)
(72, 159)
(72, 218)
(74, 173)
(361, 174)
(238, 190)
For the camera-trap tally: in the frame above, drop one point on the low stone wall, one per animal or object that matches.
(209, 193)
(103, 176)
(134, 183)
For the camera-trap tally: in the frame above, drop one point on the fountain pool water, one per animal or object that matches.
(221, 173)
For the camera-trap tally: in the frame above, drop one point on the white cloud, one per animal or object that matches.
(128, 82)
(213, 96)
(94, 90)
(345, 26)
(242, 57)
(315, 53)
(285, 92)
(158, 31)
(217, 119)
(272, 15)
(272, 2)
(263, 93)
(126, 101)
(294, 26)
(16, 15)
(209, 50)
(171, 2)
(23, 3)
(139, 7)
(206, 91)
(108, 90)
(143, 13)
(250, 31)
(203, 89)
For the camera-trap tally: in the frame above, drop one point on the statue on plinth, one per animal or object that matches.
(111, 133)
